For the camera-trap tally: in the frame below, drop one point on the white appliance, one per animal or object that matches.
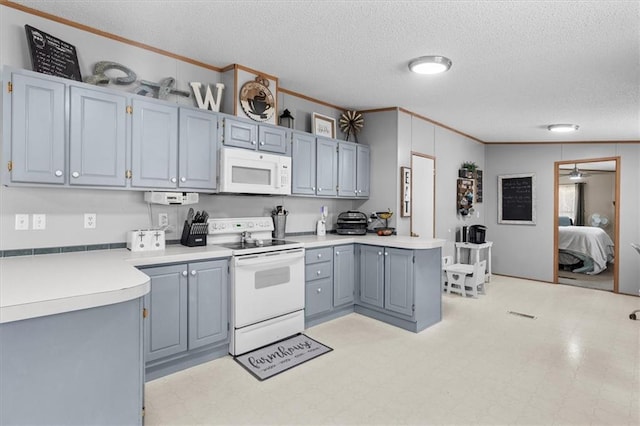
(169, 198)
(145, 240)
(267, 282)
(253, 172)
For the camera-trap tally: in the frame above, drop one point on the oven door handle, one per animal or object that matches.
(272, 258)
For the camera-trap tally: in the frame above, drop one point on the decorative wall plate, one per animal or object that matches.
(256, 99)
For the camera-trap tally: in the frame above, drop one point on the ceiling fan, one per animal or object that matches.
(576, 173)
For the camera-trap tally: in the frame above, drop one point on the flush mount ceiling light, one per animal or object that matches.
(430, 64)
(563, 128)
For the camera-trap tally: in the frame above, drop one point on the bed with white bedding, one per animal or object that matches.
(591, 245)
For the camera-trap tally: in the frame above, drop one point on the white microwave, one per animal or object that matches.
(253, 172)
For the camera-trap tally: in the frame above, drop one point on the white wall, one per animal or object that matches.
(527, 250)
(120, 211)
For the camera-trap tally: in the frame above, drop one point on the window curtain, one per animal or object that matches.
(580, 219)
(567, 195)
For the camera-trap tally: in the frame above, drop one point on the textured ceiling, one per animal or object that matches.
(517, 66)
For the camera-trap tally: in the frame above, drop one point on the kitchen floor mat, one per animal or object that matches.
(275, 358)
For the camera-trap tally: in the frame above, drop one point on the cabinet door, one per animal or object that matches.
(37, 133)
(363, 171)
(272, 139)
(239, 133)
(317, 297)
(207, 303)
(97, 137)
(343, 274)
(303, 163)
(346, 169)
(372, 275)
(165, 331)
(398, 295)
(154, 145)
(197, 156)
(327, 167)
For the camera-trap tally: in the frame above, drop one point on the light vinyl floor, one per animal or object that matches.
(576, 363)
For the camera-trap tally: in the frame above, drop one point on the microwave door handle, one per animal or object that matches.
(278, 176)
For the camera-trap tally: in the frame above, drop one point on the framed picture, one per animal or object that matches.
(405, 191)
(517, 199)
(323, 125)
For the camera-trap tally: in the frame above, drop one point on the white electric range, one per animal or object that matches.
(267, 282)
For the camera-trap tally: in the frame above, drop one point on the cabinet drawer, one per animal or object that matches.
(317, 297)
(318, 255)
(316, 271)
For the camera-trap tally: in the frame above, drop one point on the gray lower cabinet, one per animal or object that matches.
(245, 134)
(343, 275)
(187, 309)
(83, 367)
(329, 283)
(97, 137)
(400, 286)
(34, 129)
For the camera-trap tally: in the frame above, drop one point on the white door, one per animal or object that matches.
(422, 195)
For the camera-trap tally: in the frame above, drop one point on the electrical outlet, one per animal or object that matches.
(39, 221)
(89, 220)
(22, 222)
(163, 220)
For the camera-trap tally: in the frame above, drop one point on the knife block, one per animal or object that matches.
(195, 234)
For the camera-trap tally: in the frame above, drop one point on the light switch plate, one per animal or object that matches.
(39, 221)
(22, 222)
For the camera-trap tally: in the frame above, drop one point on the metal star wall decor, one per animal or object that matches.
(351, 122)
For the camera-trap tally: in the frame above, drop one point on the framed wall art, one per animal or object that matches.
(323, 125)
(405, 191)
(517, 199)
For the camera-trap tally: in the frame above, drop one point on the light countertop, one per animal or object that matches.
(35, 286)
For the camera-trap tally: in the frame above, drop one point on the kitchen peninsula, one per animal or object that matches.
(77, 318)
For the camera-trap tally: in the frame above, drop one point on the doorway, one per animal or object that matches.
(586, 231)
(423, 169)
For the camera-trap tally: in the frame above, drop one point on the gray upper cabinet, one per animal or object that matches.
(398, 273)
(35, 110)
(372, 275)
(303, 163)
(363, 170)
(245, 134)
(347, 169)
(197, 155)
(327, 170)
(97, 137)
(166, 326)
(207, 303)
(154, 144)
(343, 274)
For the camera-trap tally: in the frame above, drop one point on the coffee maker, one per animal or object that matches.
(476, 234)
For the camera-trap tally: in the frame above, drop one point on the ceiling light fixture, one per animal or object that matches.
(576, 174)
(563, 128)
(430, 64)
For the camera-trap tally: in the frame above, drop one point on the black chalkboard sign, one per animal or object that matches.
(50, 55)
(516, 199)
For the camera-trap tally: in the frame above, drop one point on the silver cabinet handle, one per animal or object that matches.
(313, 187)
(193, 273)
(74, 174)
(183, 179)
(184, 273)
(379, 253)
(58, 173)
(319, 272)
(319, 255)
(319, 189)
(253, 142)
(386, 254)
(173, 180)
(261, 143)
(319, 290)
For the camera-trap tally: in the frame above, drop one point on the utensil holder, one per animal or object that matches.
(279, 226)
(195, 234)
